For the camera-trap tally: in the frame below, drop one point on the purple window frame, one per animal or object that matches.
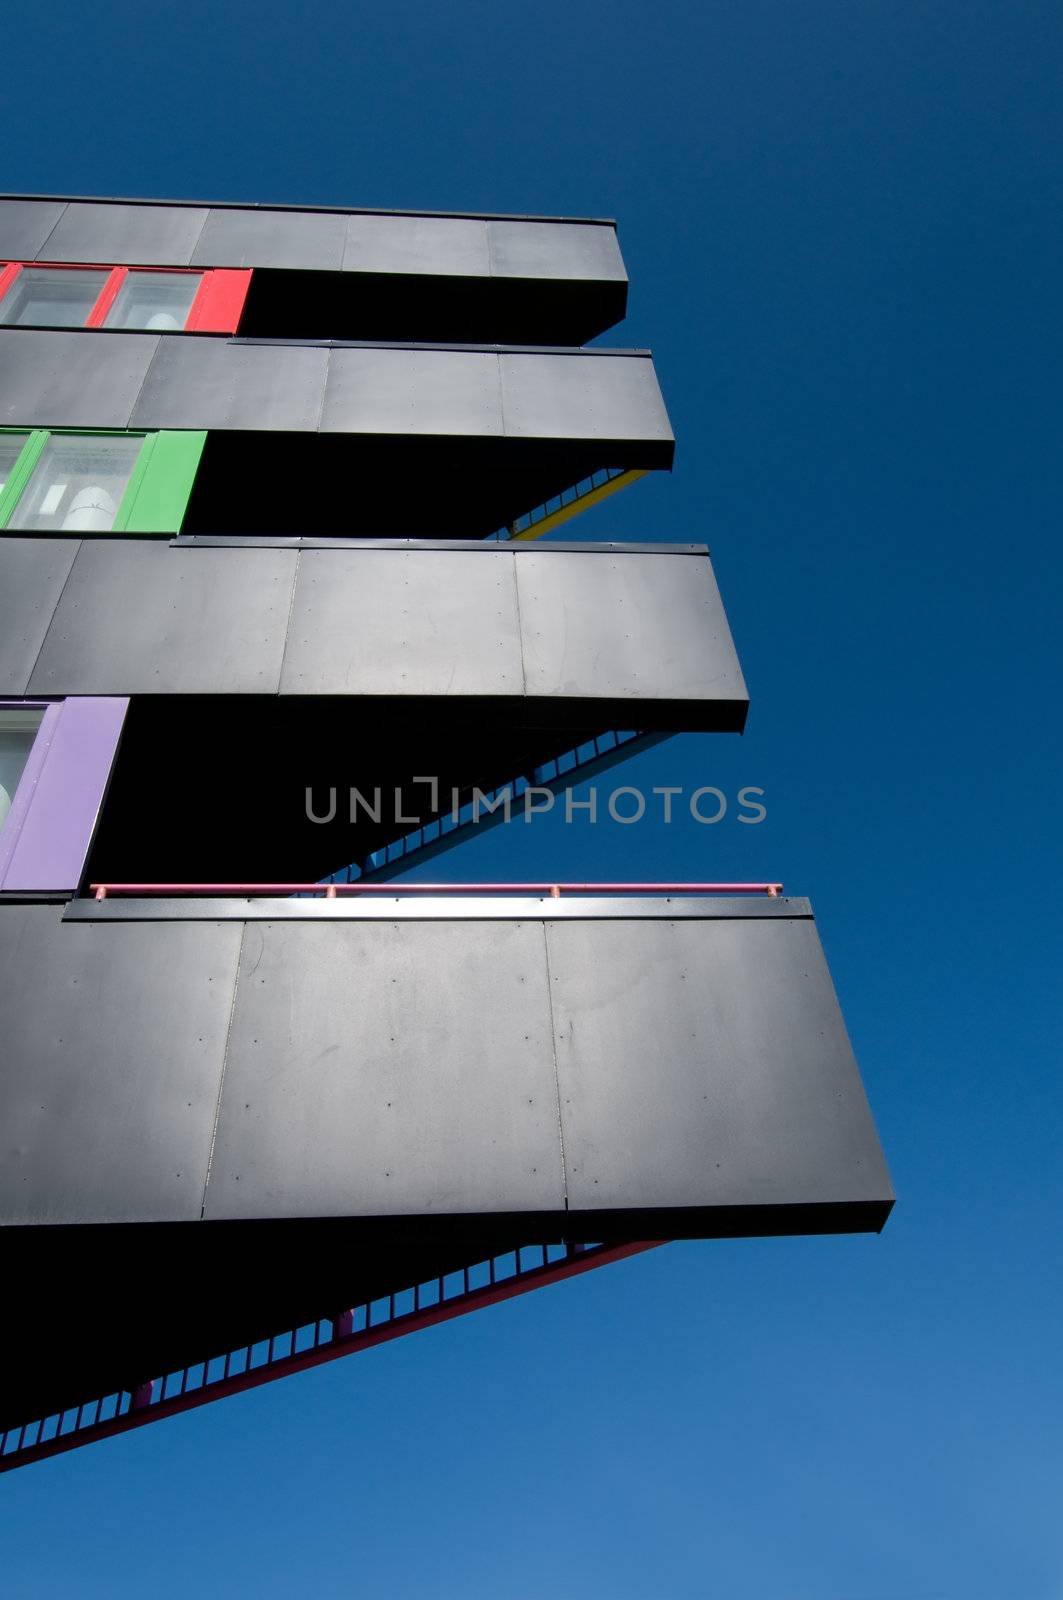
(45, 838)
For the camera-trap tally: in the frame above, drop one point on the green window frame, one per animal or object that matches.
(156, 496)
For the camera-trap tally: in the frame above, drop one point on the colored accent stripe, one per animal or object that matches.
(219, 304)
(62, 807)
(107, 297)
(21, 472)
(8, 276)
(583, 502)
(158, 492)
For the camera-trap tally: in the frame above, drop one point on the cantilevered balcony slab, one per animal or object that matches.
(351, 439)
(145, 380)
(565, 633)
(197, 1094)
(402, 274)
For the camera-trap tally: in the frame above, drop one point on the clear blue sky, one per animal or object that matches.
(842, 224)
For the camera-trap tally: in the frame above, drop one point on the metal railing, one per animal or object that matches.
(486, 1282)
(335, 891)
(569, 503)
(449, 827)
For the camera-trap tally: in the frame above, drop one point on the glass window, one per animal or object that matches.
(18, 729)
(157, 300)
(78, 484)
(10, 449)
(52, 297)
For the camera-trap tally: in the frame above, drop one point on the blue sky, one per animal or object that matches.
(842, 224)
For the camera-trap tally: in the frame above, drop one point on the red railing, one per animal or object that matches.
(333, 891)
(487, 1282)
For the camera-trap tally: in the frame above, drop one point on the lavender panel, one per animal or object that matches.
(65, 792)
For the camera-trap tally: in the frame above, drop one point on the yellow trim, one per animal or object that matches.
(593, 497)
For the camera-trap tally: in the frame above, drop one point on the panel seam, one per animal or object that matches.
(520, 629)
(129, 426)
(198, 238)
(557, 1075)
(324, 385)
(51, 231)
(224, 1069)
(51, 620)
(288, 620)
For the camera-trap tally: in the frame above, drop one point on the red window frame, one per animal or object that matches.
(217, 307)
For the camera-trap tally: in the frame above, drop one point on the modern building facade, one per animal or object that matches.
(273, 615)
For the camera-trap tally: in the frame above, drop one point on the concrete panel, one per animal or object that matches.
(73, 379)
(706, 1064)
(413, 391)
(262, 238)
(404, 1065)
(113, 1048)
(644, 627)
(127, 235)
(138, 617)
(396, 622)
(32, 574)
(397, 1070)
(576, 250)
(212, 383)
(440, 246)
(25, 226)
(585, 396)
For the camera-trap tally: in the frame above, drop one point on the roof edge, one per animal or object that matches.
(345, 211)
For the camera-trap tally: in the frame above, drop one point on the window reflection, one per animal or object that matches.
(78, 484)
(18, 729)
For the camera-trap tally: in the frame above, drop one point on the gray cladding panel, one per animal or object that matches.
(211, 383)
(387, 622)
(252, 236)
(413, 391)
(138, 617)
(113, 1047)
(388, 1070)
(441, 246)
(706, 1064)
(406, 1066)
(555, 250)
(311, 240)
(645, 627)
(72, 379)
(25, 226)
(32, 574)
(128, 235)
(582, 397)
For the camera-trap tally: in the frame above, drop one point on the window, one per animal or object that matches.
(11, 445)
(77, 484)
(51, 296)
(18, 729)
(83, 482)
(160, 300)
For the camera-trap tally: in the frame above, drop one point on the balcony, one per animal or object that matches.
(375, 1089)
(354, 274)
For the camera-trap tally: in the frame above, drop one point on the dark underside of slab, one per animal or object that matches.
(93, 1310)
(215, 789)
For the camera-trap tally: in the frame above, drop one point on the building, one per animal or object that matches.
(272, 483)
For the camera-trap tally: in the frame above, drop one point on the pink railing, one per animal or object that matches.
(333, 891)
